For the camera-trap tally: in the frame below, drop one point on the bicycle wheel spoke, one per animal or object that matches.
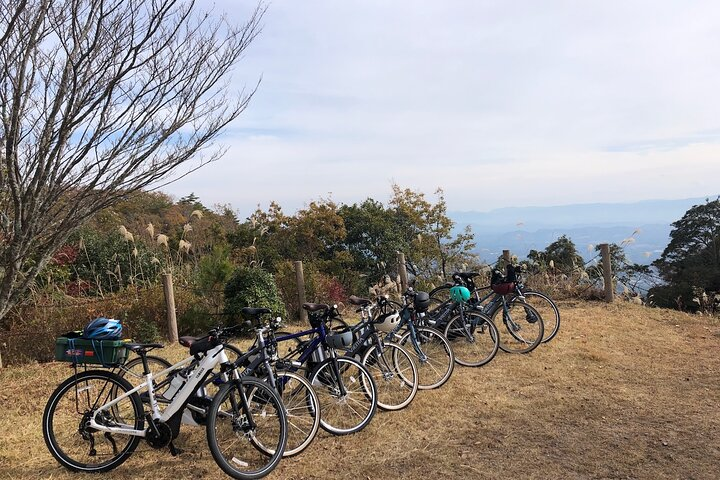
(239, 446)
(352, 410)
(67, 416)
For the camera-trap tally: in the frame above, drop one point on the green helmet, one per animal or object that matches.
(460, 293)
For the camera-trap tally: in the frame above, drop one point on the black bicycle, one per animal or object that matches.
(513, 283)
(432, 352)
(520, 326)
(391, 366)
(473, 335)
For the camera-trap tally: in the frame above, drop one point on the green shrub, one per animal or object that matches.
(252, 287)
(196, 320)
(146, 331)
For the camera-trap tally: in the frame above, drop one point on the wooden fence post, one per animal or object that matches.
(506, 257)
(607, 272)
(402, 271)
(170, 305)
(300, 279)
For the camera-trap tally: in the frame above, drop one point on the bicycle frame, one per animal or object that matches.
(212, 358)
(308, 349)
(406, 318)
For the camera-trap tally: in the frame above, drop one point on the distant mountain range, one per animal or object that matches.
(521, 229)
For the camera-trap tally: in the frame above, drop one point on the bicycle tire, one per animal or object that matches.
(510, 325)
(129, 371)
(389, 306)
(232, 352)
(71, 417)
(302, 407)
(440, 292)
(361, 393)
(395, 375)
(438, 296)
(268, 413)
(438, 352)
(477, 343)
(548, 309)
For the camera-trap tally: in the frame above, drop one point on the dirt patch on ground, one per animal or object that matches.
(623, 392)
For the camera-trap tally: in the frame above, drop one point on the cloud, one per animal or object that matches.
(499, 103)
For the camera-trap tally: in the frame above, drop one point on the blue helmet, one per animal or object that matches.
(103, 329)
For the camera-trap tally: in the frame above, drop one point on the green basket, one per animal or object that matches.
(94, 352)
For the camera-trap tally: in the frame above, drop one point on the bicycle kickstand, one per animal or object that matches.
(174, 451)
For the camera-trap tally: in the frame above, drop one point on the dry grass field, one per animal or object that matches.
(623, 392)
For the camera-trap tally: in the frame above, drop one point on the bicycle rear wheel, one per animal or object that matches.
(394, 373)
(348, 412)
(520, 327)
(438, 296)
(475, 341)
(303, 411)
(65, 424)
(247, 428)
(432, 354)
(548, 311)
(132, 371)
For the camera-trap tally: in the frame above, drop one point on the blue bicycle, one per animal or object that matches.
(345, 388)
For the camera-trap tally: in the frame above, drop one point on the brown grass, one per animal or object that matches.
(623, 392)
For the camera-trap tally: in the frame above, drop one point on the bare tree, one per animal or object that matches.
(99, 99)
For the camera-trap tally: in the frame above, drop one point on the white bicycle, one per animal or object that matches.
(95, 419)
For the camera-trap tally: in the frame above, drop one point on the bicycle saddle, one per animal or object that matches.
(255, 312)
(359, 301)
(187, 341)
(315, 307)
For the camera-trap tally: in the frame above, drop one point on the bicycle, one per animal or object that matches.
(246, 412)
(345, 388)
(433, 355)
(473, 335)
(522, 325)
(392, 368)
(545, 305)
(300, 400)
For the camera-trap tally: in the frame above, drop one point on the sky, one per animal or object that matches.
(499, 103)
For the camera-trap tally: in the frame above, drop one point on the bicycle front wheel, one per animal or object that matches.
(520, 327)
(66, 419)
(474, 339)
(247, 428)
(347, 393)
(432, 355)
(394, 373)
